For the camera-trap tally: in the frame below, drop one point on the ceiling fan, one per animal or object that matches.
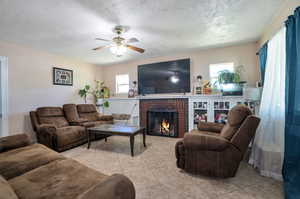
(118, 45)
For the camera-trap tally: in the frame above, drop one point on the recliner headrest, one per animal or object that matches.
(50, 111)
(238, 114)
(86, 108)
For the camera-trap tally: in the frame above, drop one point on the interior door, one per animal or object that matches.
(3, 96)
(1, 126)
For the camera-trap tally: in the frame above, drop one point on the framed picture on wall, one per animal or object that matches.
(62, 76)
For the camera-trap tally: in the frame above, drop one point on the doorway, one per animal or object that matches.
(3, 96)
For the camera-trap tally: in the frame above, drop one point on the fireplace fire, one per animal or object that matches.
(163, 122)
(164, 126)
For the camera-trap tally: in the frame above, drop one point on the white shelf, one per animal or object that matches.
(189, 96)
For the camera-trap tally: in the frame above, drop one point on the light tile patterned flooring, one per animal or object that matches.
(155, 175)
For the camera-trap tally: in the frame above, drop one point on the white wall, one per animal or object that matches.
(30, 83)
(0, 90)
(278, 21)
(244, 54)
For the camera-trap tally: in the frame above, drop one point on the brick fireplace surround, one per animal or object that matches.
(180, 105)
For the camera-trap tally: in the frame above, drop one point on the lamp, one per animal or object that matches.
(118, 49)
(252, 94)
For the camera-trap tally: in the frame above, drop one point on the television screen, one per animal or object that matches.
(164, 77)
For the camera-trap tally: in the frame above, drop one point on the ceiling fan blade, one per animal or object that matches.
(102, 39)
(132, 40)
(140, 50)
(99, 48)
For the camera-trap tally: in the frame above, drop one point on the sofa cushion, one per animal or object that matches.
(105, 117)
(86, 108)
(198, 141)
(14, 141)
(70, 134)
(210, 126)
(58, 122)
(6, 191)
(228, 131)
(121, 116)
(52, 115)
(96, 123)
(71, 113)
(66, 179)
(204, 132)
(89, 116)
(21, 160)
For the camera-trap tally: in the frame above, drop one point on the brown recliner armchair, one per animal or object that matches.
(53, 130)
(217, 149)
(85, 115)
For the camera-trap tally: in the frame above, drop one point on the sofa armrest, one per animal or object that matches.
(210, 126)
(121, 116)
(6, 190)
(113, 187)
(47, 135)
(47, 128)
(78, 122)
(104, 117)
(14, 141)
(195, 141)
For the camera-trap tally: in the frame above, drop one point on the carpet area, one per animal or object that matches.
(155, 175)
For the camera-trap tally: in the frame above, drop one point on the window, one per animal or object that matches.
(122, 83)
(214, 70)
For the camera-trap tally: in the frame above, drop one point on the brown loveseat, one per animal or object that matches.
(85, 115)
(217, 149)
(35, 171)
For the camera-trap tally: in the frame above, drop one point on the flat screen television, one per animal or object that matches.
(164, 77)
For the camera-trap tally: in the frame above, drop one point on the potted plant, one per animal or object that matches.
(230, 82)
(84, 92)
(101, 92)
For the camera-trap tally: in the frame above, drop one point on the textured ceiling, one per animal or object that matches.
(68, 27)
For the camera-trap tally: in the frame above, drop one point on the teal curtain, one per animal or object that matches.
(291, 167)
(263, 54)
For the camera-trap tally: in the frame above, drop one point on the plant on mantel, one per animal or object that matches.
(227, 77)
(101, 92)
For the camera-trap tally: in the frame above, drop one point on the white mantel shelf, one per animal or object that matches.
(215, 96)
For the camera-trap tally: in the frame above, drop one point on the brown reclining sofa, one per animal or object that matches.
(217, 149)
(64, 128)
(34, 171)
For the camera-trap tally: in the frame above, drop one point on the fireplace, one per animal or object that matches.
(162, 122)
(179, 107)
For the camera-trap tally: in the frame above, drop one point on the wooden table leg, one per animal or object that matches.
(132, 144)
(89, 140)
(105, 139)
(144, 137)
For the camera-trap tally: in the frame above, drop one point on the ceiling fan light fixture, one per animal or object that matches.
(118, 50)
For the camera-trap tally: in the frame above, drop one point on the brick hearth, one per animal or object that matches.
(180, 105)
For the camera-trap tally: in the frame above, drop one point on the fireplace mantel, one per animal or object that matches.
(188, 96)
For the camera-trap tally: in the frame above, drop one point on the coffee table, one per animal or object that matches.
(121, 130)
